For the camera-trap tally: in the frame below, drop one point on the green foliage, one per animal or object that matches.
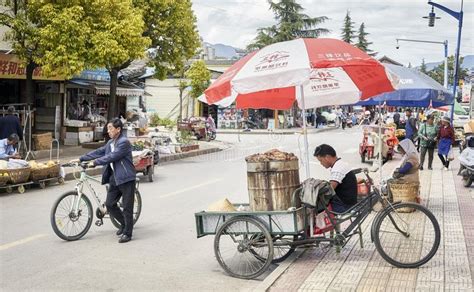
(438, 72)
(348, 32)
(155, 121)
(362, 42)
(292, 23)
(81, 34)
(200, 78)
(423, 67)
(184, 136)
(171, 26)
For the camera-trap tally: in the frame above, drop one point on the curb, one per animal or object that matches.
(163, 159)
(270, 279)
(300, 131)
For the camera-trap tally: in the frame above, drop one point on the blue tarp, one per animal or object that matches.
(415, 89)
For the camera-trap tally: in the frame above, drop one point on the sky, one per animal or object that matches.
(235, 23)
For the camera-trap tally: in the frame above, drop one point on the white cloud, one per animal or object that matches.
(235, 22)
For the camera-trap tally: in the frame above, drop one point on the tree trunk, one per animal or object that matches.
(112, 111)
(30, 85)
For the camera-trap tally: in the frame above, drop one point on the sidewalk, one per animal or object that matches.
(69, 153)
(357, 269)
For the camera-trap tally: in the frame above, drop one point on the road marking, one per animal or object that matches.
(190, 188)
(351, 151)
(21, 241)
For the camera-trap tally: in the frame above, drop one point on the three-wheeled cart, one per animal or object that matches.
(246, 243)
(145, 164)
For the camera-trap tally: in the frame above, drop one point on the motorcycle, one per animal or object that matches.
(210, 134)
(466, 160)
(349, 123)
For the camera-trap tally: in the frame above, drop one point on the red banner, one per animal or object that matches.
(12, 68)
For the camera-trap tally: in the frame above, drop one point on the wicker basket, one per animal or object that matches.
(39, 173)
(53, 171)
(405, 192)
(3, 179)
(18, 175)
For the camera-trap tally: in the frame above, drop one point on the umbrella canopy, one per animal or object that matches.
(458, 109)
(414, 89)
(324, 71)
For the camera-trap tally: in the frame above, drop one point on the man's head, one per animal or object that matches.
(326, 155)
(114, 128)
(13, 139)
(11, 110)
(408, 113)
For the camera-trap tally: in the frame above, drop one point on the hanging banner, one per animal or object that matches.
(12, 68)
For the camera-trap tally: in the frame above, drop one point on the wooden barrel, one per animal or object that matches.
(271, 184)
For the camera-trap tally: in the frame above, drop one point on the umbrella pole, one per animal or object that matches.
(381, 141)
(305, 133)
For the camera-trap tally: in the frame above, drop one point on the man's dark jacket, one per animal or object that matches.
(10, 125)
(121, 158)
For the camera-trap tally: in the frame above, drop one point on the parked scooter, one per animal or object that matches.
(210, 133)
(467, 163)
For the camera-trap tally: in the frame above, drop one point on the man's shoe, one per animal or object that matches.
(421, 167)
(430, 168)
(119, 231)
(124, 238)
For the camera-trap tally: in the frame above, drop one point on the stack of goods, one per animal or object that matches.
(400, 134)
(272, 155)
(16, 170)
(42, 141)
(43, 170)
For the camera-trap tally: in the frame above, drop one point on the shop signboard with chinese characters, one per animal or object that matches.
(11, 67)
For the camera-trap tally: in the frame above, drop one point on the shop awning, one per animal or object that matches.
(121, 91)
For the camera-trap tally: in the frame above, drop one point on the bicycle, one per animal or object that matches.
(72, 215)
(247, 242)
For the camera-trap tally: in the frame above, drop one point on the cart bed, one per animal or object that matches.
(277, 222)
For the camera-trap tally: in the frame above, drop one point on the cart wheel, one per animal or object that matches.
(60, 180)
(9, 190)
(42, 185)
(235, 244)
(150, 172)
(21, 189)
(281, 247)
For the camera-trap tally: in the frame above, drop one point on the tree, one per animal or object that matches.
(362, 42)
(80, 34)
(171, 26)
(23, 34)
(438, 72)
(292, 23)
(423, 67)
(348, 32)
(199, 79)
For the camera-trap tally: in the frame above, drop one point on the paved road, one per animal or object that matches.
(164, 253)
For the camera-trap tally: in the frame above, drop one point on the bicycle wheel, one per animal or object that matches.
(137, 210)
(407, 235)
(234, 247)
(281, 247)
(67, 224)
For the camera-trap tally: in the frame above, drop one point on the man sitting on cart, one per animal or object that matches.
(343, 180)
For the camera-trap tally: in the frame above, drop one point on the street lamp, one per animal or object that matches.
(445, 43)
(459, 17)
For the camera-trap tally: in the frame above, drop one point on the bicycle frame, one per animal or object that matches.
(84, 180)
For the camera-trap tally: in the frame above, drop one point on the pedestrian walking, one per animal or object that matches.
(396, 119)
(427, 134)
(119, 173)
(10, 124)
(446, 139)
(410, 126)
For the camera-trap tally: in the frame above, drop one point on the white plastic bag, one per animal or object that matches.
(451, 155)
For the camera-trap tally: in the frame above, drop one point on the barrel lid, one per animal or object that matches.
(272, 166)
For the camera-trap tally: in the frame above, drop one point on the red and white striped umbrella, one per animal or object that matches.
(323, 71)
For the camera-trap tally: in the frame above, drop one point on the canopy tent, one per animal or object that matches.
(414, 89)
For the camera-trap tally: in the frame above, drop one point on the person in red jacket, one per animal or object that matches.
(445, 140)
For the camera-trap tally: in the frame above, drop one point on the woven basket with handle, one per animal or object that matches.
(405, 192)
